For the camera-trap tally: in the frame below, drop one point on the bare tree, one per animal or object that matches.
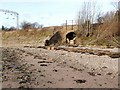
(108, 16)
(35, 25)
(87, 16)
(28, 25)
(25, 25)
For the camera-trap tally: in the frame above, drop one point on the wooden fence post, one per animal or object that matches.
(66, 26)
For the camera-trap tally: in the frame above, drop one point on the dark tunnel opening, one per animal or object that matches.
(70, 36)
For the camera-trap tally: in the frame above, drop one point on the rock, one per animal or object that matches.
(41, 61)
(80, 81)
(104, 67)
(23, 81)
(42, 75)
(91, 73)
(109, 73)
(98, 74)
(55, 70)
(21, 87)
(49, 81)
(100, 84)
(115, 55)
(43, 64)
(39, 70)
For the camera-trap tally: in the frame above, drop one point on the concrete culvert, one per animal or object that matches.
(60, 37)
(55, 39)
(70, 36)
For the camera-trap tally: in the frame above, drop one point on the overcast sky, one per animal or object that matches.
(46, 12)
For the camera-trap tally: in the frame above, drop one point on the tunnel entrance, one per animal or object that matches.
(70, 37)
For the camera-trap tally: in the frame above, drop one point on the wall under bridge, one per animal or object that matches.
(61, 37)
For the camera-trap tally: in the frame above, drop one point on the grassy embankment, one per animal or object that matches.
(102, 37)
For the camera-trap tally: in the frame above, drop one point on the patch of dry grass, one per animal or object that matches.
(25, 36)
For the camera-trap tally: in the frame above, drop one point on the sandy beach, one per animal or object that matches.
(26, 67)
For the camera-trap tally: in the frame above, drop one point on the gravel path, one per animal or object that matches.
(41, 68)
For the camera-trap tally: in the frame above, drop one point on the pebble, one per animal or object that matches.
(80, 81)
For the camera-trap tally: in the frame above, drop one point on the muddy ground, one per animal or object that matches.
(26, 67)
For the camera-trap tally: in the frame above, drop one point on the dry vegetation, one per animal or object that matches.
(107, 35)
(103, 33)
(25, 36)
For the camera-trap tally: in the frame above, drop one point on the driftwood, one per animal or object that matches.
(83, 51)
